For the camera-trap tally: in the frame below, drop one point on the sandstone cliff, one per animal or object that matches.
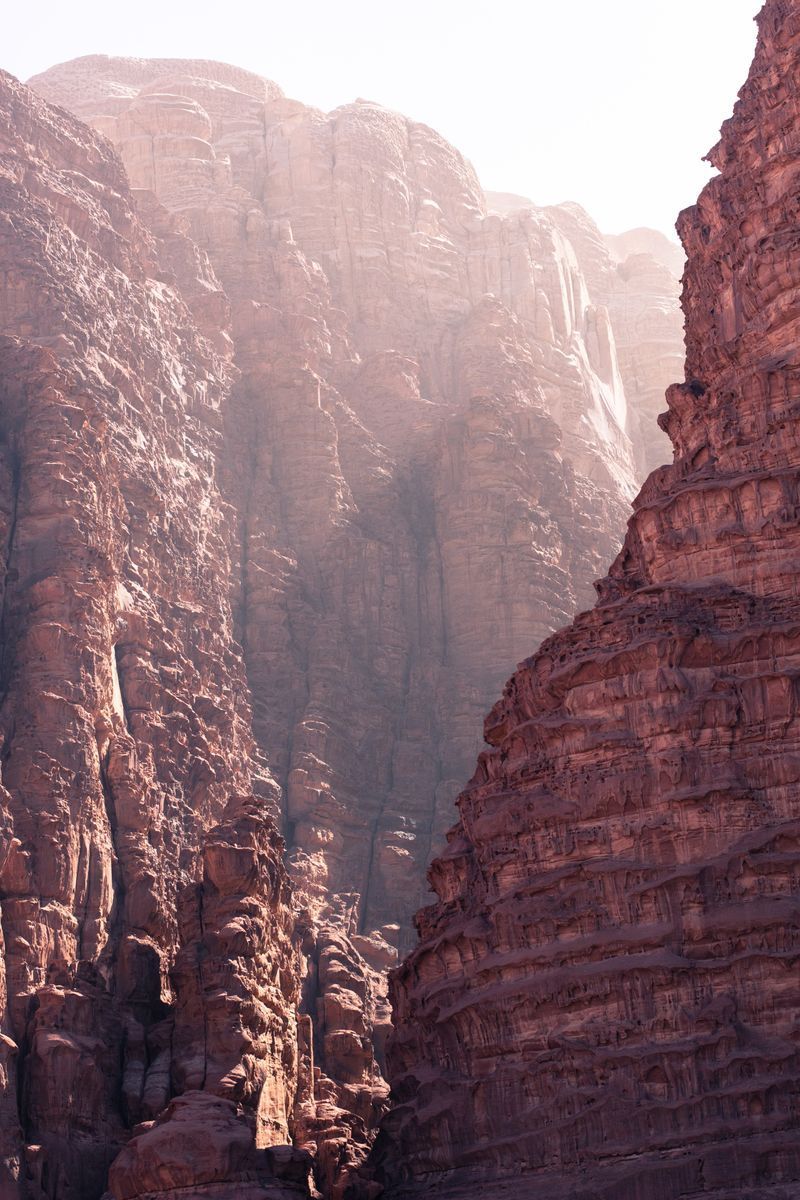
(604, 1000)
(428, 445)
(428, 448)
(302, 452)
(635, 276)
(148, 937)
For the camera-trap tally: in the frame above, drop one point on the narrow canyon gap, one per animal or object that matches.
(440, 405)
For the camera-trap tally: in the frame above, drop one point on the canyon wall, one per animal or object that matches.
(430, 450)
(635, 277)
(428, 446)
(148, 936)
(603, 1002)
(303, 445)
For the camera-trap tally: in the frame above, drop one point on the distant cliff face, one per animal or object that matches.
(635, 276)
(604, 999)
(428, 445)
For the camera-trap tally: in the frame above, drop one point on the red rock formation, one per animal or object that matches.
(604, 1000)
(426, 449)
(128, 771)
(423, 457)
(429, 414)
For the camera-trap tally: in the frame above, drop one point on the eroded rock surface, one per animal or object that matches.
(604, 999)
(132, 796)
(428, 445)
(428, 451)
(635, 277)
(304, 448)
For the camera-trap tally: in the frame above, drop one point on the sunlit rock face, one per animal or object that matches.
(635, 276)
(148, 945)
(424, 446)
(604, 999)
(648, 241)
(428, 444)
(428, 451)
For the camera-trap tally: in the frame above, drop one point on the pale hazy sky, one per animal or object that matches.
(608, 102)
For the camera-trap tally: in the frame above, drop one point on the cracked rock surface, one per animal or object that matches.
(603, 1000)
(303, 444)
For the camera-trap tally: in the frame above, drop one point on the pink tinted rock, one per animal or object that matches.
(125, 724)
(603, 1000)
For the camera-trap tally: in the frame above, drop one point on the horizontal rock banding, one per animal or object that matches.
(604, 1000)
(429, 448)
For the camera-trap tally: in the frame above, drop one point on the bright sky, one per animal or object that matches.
(608, 102)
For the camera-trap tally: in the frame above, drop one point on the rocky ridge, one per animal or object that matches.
(603, 1001)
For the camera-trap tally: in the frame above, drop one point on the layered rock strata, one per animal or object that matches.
(427, 450)
(148, 937)
(430, 418)
(604, 999)
(427, 446)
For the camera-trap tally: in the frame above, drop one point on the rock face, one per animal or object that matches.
(604, 1000)
(428, 450)
(635, 276)
(300, 451)
(647, 241)
(148, 937)
(427, 445)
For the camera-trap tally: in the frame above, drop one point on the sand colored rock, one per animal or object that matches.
(657, 245)
(603, 1001)
(635, 278)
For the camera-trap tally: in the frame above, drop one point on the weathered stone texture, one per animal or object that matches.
(427, 445)
(635, 277)
(604, 999)
(427, 449)
(129, 773)
(302, 451)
